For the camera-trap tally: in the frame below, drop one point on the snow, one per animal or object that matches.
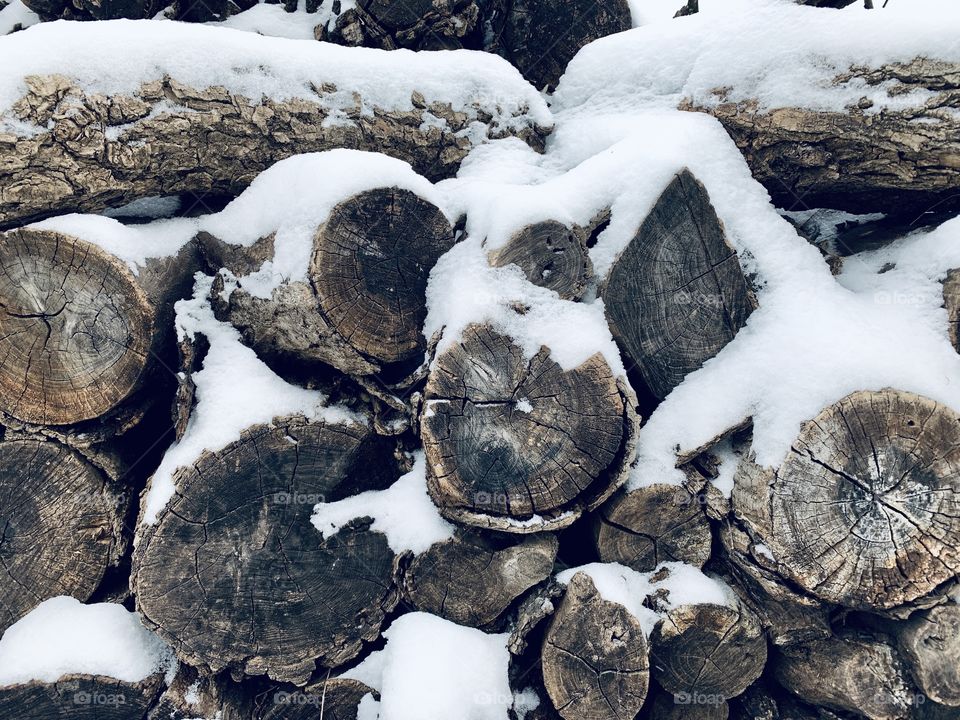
(16, 14)
(274, 21)
(118, 56)
(62, 636)
(432, 668)
(727, 470)
(403, 512)
(223, 411)
(685, 584)
(778, 52)
(294, 196)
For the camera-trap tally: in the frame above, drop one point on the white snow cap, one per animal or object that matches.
(685, 584)
(62, 636)
(432, 668)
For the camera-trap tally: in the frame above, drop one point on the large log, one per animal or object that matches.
(521, 445)
(930, 643)
(60, 526)
(658, 523)
(416, 25)
(676, 295)
(857, 159)
(91, 151)
(473, 578)
(79, 332)
(80, 697)
(864, 510)
(233, 573)
(595, 664)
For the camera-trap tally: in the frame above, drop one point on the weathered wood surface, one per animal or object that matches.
(551, 255)
(684, 706)
(930, 643)
(60, 526)
(676, 295)
(658, 523)
(80, 697)
(92, 152)
(708, 649)
(473, 578)
(415, 25)
(541, 37)
(595, 663)
(233, 573)
(329, 699)
(857, 159)
(864, 510)
(510, 439)
(951, 301)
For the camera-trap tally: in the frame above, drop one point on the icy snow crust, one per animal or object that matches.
(62, 636)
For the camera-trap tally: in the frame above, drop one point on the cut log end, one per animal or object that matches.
(370, 266)
(551, 255)
(75, 329)
(517, 439)
(80, 697)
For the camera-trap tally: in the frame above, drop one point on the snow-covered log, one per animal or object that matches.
(71, 140)
(676, 295)
(233, 574)
(595, 661)
(517, 444)
(654, 524)
(864, 510)
(62, 525)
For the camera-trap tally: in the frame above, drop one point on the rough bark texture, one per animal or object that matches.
(551, 255)
(416, 25)
(711, 650)
(94, 9)
(93, 151)
(331, 699)
(655, 524)
(951, 301)
(541, 37)
(60, 526)
(80, 697)
(864, 510)
(859, 159)
(595, 664)
(676, 295)
(516, 438)
(233, 574)
(473, 578)
(860, 675)
(930, 643)
(371, 260)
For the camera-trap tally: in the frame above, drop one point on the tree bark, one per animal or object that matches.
(417, 25)
(676, 295)
(951, 301)
(863, 511)
(595, 664)
(80, 697)
(930, 643)
(93, 152)
(233, 573)
(473, 578)
(551, 255)
(520, 445)
(655, 524)
(60, 526)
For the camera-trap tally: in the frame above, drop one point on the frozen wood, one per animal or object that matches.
(595, 664)
(864, 510)
(233, 573)
(92, 151)
(520, 444)
(416, 25)
(676, 295)
(857, 159)
(330, 699)
(930, 643)
(94, 9)
(551, 255)
(473, 578)
(708, 649)
(658, 523)
(60, 526)
(80, 697)
(541, 37)
(951, 301)
(860, 675)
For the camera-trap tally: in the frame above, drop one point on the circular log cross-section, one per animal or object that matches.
(676, 295)
(80, 697)
(234, 574)
(594, 657)
(60, 526)
(865, 509)
(541, 36)
(371, 261)
(651, 525)
(75, 329)
(508, 438)
(711, 650)
(332, 699)
(550, 255)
